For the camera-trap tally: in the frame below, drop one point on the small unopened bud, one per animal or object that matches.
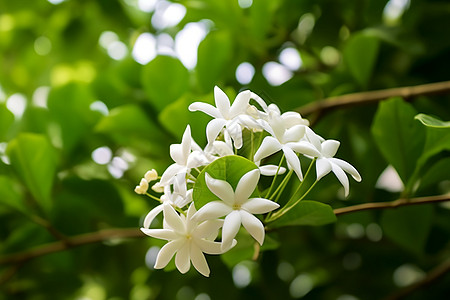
(158, 188)
(151, 175)
(142, 187)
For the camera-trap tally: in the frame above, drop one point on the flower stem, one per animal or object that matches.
(275, 177)
(153, 197)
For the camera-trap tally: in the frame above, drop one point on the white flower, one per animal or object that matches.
(231, 117)
(237, 207)
(180, 153)
(188, 239)
(286, 139)
(179, 197)
(326, 163)
(142, 187)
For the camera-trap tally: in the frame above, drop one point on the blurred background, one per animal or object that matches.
(93, 92)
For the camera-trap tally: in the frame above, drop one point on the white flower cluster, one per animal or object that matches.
(191, 233)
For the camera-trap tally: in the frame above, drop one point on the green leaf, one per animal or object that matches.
(10, 195)
(430, 121)
(164, 79)
(33, 158)
(399, 138)
(229, 168)
(6, 120)
(306, 213)
(214, 56)
(69, 106)
(176, 116)
(360, 55)
(408, 226)
(437, 173)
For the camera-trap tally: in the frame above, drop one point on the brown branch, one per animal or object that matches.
(392, 204)
(71, 242)
(321, 106)
(432, 276)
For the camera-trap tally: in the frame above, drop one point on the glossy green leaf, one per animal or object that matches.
(306, 213)
(229, 168)
(33, 158)
(164, 79)
(214, 55)
(408, 226)
(430, 121)
(398, 136)
(6, 120)
(360, 55)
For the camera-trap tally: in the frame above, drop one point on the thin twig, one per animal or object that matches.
(431, 277)
(374, 96)
(71, 242)
(391, 204)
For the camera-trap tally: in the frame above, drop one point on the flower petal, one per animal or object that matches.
(323, 167)
(151, 215)
(212, 210)
(271, 170)
(313, 138)
(172, 219)
(170, 172)
(234, 129)
(199, 261)
(183, 258)
(304, 148)
(259, 205)
(269, 146)
(246, 186)
(206, 108)
(240, 104)
(166, 253)
(210, 247)
(294, 134)
(347, 168)
(221, 189)
(341, 177)
(330, 147)
(293, 161)
(230, 228)
(253, 225)
(208, 229)
(163, 234)
(213, 129)
(222, 102)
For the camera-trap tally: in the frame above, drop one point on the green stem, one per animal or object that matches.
(281, 187)
(291, 203)
(153, 197)
(275, 177)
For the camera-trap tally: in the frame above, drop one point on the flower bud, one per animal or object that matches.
(142, 187)
(151, 175)
(157, 187)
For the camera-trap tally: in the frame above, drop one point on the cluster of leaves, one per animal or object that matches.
(54, 197)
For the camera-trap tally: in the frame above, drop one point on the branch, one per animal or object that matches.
(392, 204)
(432, 276)
(321, 106)
(70, 242)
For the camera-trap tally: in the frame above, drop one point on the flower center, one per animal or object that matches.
(236, 206)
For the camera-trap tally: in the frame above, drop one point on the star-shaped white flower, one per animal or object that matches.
(237, 207)
(188, 240)
(181, 155)
(230, 118)
(326, 163)
(285, 138)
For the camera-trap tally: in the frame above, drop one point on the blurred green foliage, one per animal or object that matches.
(80, 92)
